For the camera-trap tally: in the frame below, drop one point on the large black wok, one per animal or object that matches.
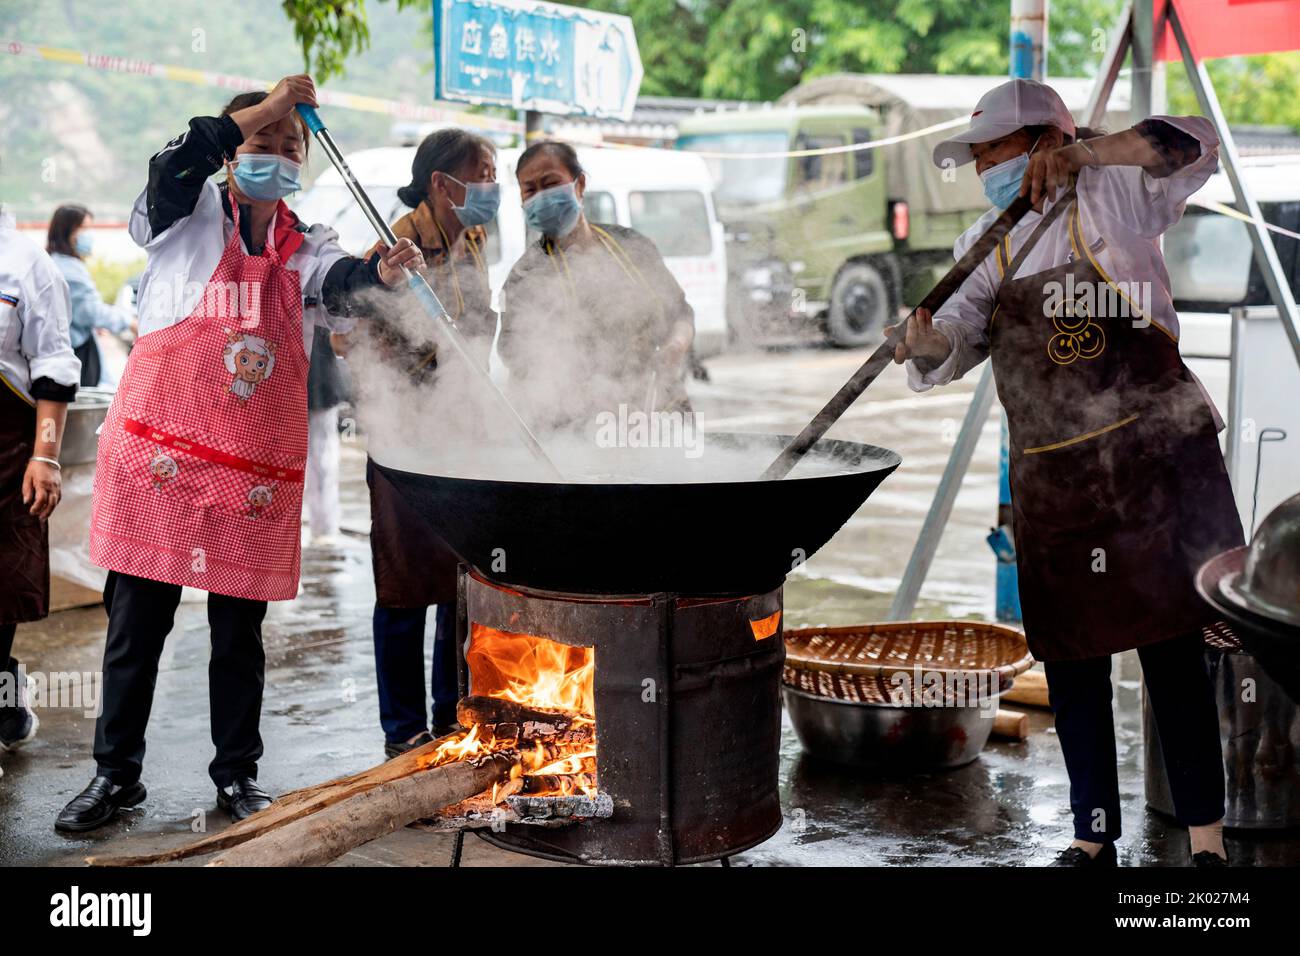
(700, 538)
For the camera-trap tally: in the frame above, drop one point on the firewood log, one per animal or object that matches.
(326, 835)
(509, 721)
(1030, 688)
(549, 782)
(495, 710)
(287, 808)
(1011, 725)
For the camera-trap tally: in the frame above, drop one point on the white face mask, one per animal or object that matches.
(481, 202)
(1002, 182)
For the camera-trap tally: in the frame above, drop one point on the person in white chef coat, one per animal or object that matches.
(38, 378)
(1119, 490)
(202, 455)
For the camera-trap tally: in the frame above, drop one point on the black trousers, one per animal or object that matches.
(7, 632)
(140, 616)
(1182, 699)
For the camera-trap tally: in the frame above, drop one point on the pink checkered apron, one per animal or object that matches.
(200, 468)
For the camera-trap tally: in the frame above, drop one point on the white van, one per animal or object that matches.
(664, 194)
(1210, 257)
(1212, 270)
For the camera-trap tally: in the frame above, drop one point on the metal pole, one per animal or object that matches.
(1142, 25)
(1029, 39)
(1265, 255)
(1116, 50)
(1028, 25)
(927, 542)
(533, 130)
(423, 291)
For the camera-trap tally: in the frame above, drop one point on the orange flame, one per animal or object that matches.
(535, 672)
(532, 670)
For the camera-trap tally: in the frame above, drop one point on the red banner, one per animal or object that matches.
(1218, 28)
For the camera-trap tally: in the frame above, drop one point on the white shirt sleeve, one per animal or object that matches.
(1150, 205)
(319, 251)
(46, 315)
(963, 319)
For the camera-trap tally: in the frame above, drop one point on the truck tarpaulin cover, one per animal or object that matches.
(1232, 27)
(909, 102)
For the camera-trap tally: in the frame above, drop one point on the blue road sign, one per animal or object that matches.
(539, 56)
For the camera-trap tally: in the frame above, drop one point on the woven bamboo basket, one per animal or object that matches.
(867, 663)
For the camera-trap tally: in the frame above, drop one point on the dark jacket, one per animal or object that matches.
(460, 283)
(327, 378)
(176, 177)
(413, 566)
(579, 331)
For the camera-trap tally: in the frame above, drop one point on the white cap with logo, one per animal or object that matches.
(1000, 112)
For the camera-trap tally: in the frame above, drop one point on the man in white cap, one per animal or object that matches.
(1119, 491)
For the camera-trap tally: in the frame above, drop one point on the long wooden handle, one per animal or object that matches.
(882, 356)
(424, 292)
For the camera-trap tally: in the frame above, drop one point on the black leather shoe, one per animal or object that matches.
(98, 804)
(243, 798)
(1209, 860)
(1077, 856)
(392, 750)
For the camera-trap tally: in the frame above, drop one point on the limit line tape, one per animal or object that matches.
(128, 66)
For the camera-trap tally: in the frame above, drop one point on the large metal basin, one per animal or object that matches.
(885, 737)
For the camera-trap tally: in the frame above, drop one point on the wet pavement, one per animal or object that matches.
(320, 719)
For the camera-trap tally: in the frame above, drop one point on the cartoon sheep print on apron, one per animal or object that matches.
(201, 457)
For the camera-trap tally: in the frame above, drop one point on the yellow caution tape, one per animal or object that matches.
(1223, 210)
(797, 153)
(180, 74)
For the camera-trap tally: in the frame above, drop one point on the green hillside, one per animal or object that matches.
(73, 134)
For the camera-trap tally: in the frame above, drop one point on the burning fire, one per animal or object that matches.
(553, 726)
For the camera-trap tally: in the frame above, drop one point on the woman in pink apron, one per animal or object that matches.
(1119, 490)
(199, 476)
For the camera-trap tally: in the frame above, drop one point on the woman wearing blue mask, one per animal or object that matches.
(1119, 490)
(202, 455)
(592, 320)
(69, 242)
(453, 195)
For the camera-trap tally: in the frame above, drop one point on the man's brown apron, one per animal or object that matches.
(1118, 488)
(413, 566)
(24, 538)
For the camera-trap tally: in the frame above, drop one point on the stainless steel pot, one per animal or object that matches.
(1260, 738)
(888, 737)
(85, 415)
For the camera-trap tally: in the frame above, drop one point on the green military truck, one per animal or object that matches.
(831, 245)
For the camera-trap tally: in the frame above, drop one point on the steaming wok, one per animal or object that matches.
(697, 538)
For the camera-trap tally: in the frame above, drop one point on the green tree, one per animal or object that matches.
(330, 31)
(1262, 89)
(758, 49)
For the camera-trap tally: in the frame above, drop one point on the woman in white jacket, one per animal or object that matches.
(38, 378)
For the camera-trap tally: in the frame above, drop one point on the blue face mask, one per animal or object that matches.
(481, 202)
(553, 212)
(265, 176)
(83, 243)
(1002, 182)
